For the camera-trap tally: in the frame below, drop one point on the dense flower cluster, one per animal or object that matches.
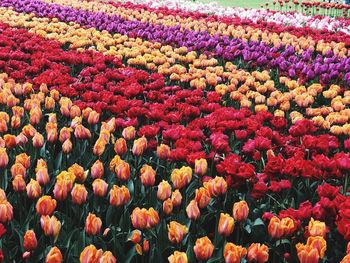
(124, 140)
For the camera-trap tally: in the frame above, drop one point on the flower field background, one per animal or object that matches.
(172, 131)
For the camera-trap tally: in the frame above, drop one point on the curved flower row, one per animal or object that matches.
(253, 53)
(294, 19)
(133, 201)
(254, 89)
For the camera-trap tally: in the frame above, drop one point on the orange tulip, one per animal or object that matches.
(6, 211)
(51, 132)
(288, 226)
(176, 232)
(317, 228)
(4, 158)
(21, 139)
(135, 236)
(74, 111)
(86, 112)
(120, 146)
(319, 243)
(176, 198)
(119, 196)
(99, 147)
(93, 118)
(163, 151)
(181, 177)
(202, 197)
(81, 132)
(240, 211)
(152, 218)
(78, 172)
(99, 187)
(29, 241)
(18, 169)
(10, 141)
(65, 134)
(62, 188)
(139, 146)
(234, 253)
(178, 257)
(29, 131)
(139, 218)
(3, 126)
(42, 173)
(122, 171)
(145, 245)
(49, 103)
(50, 225)
(216, 186)
(97, 170)
(129, 133)
(54, 256)
(275, 228)
(23, 159)
(107, 257)
(18, 184)
(35, 115)
(164, 190)
(168, 206)
(307, 254)
(346, 259)
(147, 175)
(67, 146)
(226, 224)
(201, 166)
(79, 194)
(90, 254)
(203, 248)
(258, 253)
(192, 210)
(45, 205)
(15, 122)
(33, 189)
(93, 224)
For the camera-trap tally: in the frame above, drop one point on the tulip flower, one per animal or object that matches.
(54, 256)
(164, 190)
(163, 151)
(4, 159)
(176, 232)
(78, 172)
(79, 194)
(240, 211)
(107, 257)
(122, 170)
(168, 206)
(203, 248)
(192, 210)
(45, 205)
(50, 225)
(18, 184)
(147, 175)
(234, 253)
(139, 146)
(29, 240)
(216, 186)
(178, 257)
(129, 133)
(93, 224)
(119, 196)
(176, 198)
(90, 254)
(99, 187)
(135, 236)
(258, 253)
(316, 228)
(202, 197)
(201, 167)
(33, 189)
(120, 146)
(97, 170)
(181, 177)
(226, 225)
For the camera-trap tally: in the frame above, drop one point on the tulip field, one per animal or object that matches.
(173, 131)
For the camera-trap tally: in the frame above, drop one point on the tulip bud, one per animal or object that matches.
(107, 257)
(176, 198)
(178, 257)
(50, 225)
(74, 111)
(30, 242)
(67, 146)
(258, 253)
(148, 175)
(202, 197)
(176, 232)
(203, 248)
(81, 132)
(35, 115)
(15, 122)
(18, 169)
(10, 141)
(129, 133)
(51, 132)
(6, 211)
(49, 103)
(18, 184)
(99, 147)
(163, 151)
(167, 206)
(79, 194)
(240, 211)
(164, 190)
(139, 146)
(234, 253)
(99, 187)
(201, 167)
(4, 159)
(122, 170)
(97, 170)
(226, 225)
(45, 206)
(120, 146)
(119, 196)
(54, 256)
(145, 246)
(65, 134)
(90, 254)
(192, 210)
(135, 236)
(42, 173)
(93, 117)
(93, 224)
(78, 172)
(38, 140)
(33, 189)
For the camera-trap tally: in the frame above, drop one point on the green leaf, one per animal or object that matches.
(130, 255)
(58, 161)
